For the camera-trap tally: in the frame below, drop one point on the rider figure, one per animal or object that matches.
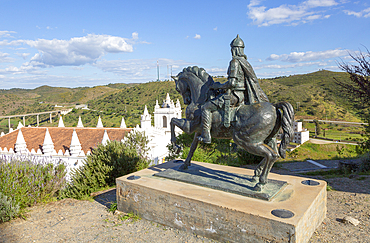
(243, 84)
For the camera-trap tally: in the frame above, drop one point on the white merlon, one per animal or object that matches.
(38, 151)
(178, 105)
(66, 153)
(105, 139)
(20, 125)
(1, 150)
(156, 105)
(20, 144)
(123, 123)
(88, 152)
(79, 124)
(82, 154)
(48, 145)
(100, 124)
(61, 123)
(11, 130)
(60, 152)
(54, 152)
(11, 151)
(33, 151)
(2, 134)
(75, 147)
(5, 150)
(146, 120)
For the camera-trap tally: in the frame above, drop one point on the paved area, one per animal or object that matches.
(310, 165)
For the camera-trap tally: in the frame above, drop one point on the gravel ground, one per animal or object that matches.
(70, 220)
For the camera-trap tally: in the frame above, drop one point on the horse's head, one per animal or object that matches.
(193, 84)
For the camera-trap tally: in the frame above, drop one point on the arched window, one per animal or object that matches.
(164, 121)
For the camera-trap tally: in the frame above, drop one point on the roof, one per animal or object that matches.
(61, 136)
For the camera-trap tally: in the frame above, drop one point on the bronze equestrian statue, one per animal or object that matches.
(237, 109)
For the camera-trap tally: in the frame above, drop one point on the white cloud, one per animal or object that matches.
(5, 33)
(287, 14)
(138, 68)
(296, 65)
(25, 68)
(4, 57)
(215, 29)
(77, 51)
(23, 55)
(197, 36)
(364, 13)
(308, 56)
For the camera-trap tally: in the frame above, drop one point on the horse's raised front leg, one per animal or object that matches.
(193, 147)
(184, 125)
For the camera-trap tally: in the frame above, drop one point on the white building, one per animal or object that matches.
(159, 135)
(301, 135)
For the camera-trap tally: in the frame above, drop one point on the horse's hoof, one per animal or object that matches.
(183, 167)
(257, 187)
(255, 179)
(204, 140)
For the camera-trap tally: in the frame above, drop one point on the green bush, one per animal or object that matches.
(105, 164)
(8, 208)
(364, 165)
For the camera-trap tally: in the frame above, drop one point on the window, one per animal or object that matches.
(164, 121)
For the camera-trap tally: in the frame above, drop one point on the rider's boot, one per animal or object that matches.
(206, 126)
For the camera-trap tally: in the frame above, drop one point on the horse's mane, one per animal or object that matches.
(199, 72)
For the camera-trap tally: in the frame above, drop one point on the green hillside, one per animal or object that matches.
(314, 94)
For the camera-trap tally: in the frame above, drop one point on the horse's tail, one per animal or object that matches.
(287, 126)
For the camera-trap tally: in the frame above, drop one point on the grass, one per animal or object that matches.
(337, 131)
(327, 174)
(113, 207)
(133, 217)
(309, 150)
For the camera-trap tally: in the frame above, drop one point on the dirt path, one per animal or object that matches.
(70, 220)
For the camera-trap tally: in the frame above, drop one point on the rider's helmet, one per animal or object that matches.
(237, 42)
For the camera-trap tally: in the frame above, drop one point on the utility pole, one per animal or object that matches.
(298, 105)
(169, 70)
(157, 71)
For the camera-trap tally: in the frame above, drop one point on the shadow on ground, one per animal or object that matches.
(106, 197)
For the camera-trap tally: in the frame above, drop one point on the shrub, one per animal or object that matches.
(8, 208)
(221, 151)
(105, 164)
(29, 180)
(364, 165)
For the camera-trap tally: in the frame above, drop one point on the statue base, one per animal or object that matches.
(292, 212)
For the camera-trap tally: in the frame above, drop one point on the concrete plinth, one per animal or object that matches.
(290, 216)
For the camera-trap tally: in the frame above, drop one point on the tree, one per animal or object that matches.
(357, 87)
(317, 127)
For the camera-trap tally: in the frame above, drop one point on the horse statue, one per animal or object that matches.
(252, 127)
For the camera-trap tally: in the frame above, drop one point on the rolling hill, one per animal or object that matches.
(313, 95)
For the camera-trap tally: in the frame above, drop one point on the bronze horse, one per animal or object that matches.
(253, 127)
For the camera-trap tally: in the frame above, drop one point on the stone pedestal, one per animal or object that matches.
(292, 215)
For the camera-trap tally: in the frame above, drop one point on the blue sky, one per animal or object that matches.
(88, 43)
